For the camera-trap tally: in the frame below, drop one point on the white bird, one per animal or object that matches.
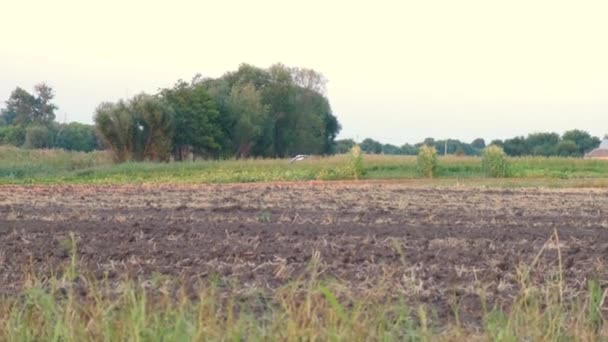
(299, 157)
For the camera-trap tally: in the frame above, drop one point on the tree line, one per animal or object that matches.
(28, 120)
(573, 143)
(250, 112)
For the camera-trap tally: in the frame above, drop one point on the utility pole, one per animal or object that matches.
(445, 149)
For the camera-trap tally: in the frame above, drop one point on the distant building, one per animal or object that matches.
(600, 152)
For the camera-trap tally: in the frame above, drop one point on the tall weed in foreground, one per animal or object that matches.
(494, 162)
(356, 162)
(426, 163)
(308, 308)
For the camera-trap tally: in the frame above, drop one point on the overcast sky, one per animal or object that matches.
(398, 71)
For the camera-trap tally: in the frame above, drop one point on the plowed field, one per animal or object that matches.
(430, 245)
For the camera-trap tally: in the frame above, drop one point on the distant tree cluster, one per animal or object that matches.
(454, 146)
(272, 112)
(573, 143)
(28, 120)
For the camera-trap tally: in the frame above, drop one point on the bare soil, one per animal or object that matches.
(437, 246)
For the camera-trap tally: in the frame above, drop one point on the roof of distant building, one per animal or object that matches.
(598, 153)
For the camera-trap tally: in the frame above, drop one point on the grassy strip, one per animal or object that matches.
(59, 167)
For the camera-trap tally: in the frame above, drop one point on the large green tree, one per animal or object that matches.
(116, 124)
(76, 136)
(137, 129)
(23, 108)
(154, 120)
(298, 118)
(371, 146)
(583, 140)
(196, 120)
(249, 116)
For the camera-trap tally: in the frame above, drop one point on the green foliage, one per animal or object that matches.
(344, 146)
(249, 115)
(27, 121)
(583, 141)
(497, 142)
(409, 150)
(116, 126)
(155, 122)
(568, 148)
(479, 143)
(390, 149)
(23, 108)
(22, 165)
(76, 137)
(296, 117)
(12, 135)
(59, 166)
(140, 129)
(356, 162)
(494, 162)
(196, 120)
(551, 144)
(426, 163)
(371, 146)
(37, 136)
(52, 308)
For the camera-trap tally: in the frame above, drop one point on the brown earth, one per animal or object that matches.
(430, 245)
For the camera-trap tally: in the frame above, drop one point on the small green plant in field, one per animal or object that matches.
(426, 163)
(494, 162)
(264, 216)
(356, 162)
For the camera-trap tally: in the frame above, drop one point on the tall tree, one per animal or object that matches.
(542, 144)
(196, 120)
(516, 146)
(154, 121)
(479, 143)
(116, 124)
(309, 79)
(279, 95)
(583, 140)
(138, 129)
(76, 137)
(371, 146)
(23, 108)
(249, 116)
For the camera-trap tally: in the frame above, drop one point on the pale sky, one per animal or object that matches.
(398, 71)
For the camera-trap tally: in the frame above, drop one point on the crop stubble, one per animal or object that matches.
(430, 245)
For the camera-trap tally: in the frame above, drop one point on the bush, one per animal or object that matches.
(494, 161)
(426, 163)
(12, 135)
(76, 137)
(38, 137)
(356, 162)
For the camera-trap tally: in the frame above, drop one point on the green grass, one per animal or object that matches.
(18, 166)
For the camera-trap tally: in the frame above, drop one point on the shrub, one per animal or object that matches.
(494, 161)
(426, 163)
(38, 137)
(356, 162)
(12, 135)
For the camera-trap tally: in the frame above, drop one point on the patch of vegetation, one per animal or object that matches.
(310, 308)
(494, 161)
(426, 162)
(22, 166)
